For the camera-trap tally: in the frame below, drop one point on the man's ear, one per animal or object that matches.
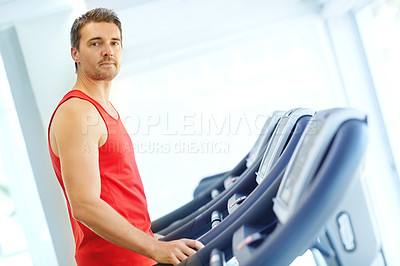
(75, 54)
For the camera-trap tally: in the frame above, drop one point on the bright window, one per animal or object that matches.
(379, 25)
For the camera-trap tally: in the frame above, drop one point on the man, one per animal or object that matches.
(93, 158)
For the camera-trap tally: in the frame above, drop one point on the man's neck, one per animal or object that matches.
(96, 89)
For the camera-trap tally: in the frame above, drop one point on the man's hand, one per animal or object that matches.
(173, 252)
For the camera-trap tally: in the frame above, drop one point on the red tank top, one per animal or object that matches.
(121, 188)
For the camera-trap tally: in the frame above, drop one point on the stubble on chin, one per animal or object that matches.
(106, 74)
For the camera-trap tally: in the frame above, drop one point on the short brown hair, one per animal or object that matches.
(95, 15)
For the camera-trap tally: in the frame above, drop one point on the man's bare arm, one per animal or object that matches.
(75, 139)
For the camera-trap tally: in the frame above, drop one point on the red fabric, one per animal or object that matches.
(121, 188)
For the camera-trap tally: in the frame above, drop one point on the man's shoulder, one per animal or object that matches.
(76, 107)
(75, 113)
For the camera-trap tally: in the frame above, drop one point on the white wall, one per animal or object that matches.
(45, 45)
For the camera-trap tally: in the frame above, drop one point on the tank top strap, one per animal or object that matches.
(84, 96)
(108, 119)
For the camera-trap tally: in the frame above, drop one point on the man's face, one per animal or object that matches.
(100, 51)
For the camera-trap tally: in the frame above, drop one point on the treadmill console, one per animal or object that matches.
(265, 134)
(279, 138)
(307, 158)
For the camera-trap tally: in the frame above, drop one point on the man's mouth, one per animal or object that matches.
(107, 63)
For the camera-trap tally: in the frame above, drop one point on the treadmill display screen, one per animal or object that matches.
(266, 132)
(260, 140)
(295, 177)
(264, 168)
(267, 158)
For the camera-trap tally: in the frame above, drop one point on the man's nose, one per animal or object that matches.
(108, 51)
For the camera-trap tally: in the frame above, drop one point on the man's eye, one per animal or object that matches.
(95, 44)
(115, 43)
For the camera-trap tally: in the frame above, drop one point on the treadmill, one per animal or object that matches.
(208, 222)
(318, 203)
(210, 190)
(321, 203)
